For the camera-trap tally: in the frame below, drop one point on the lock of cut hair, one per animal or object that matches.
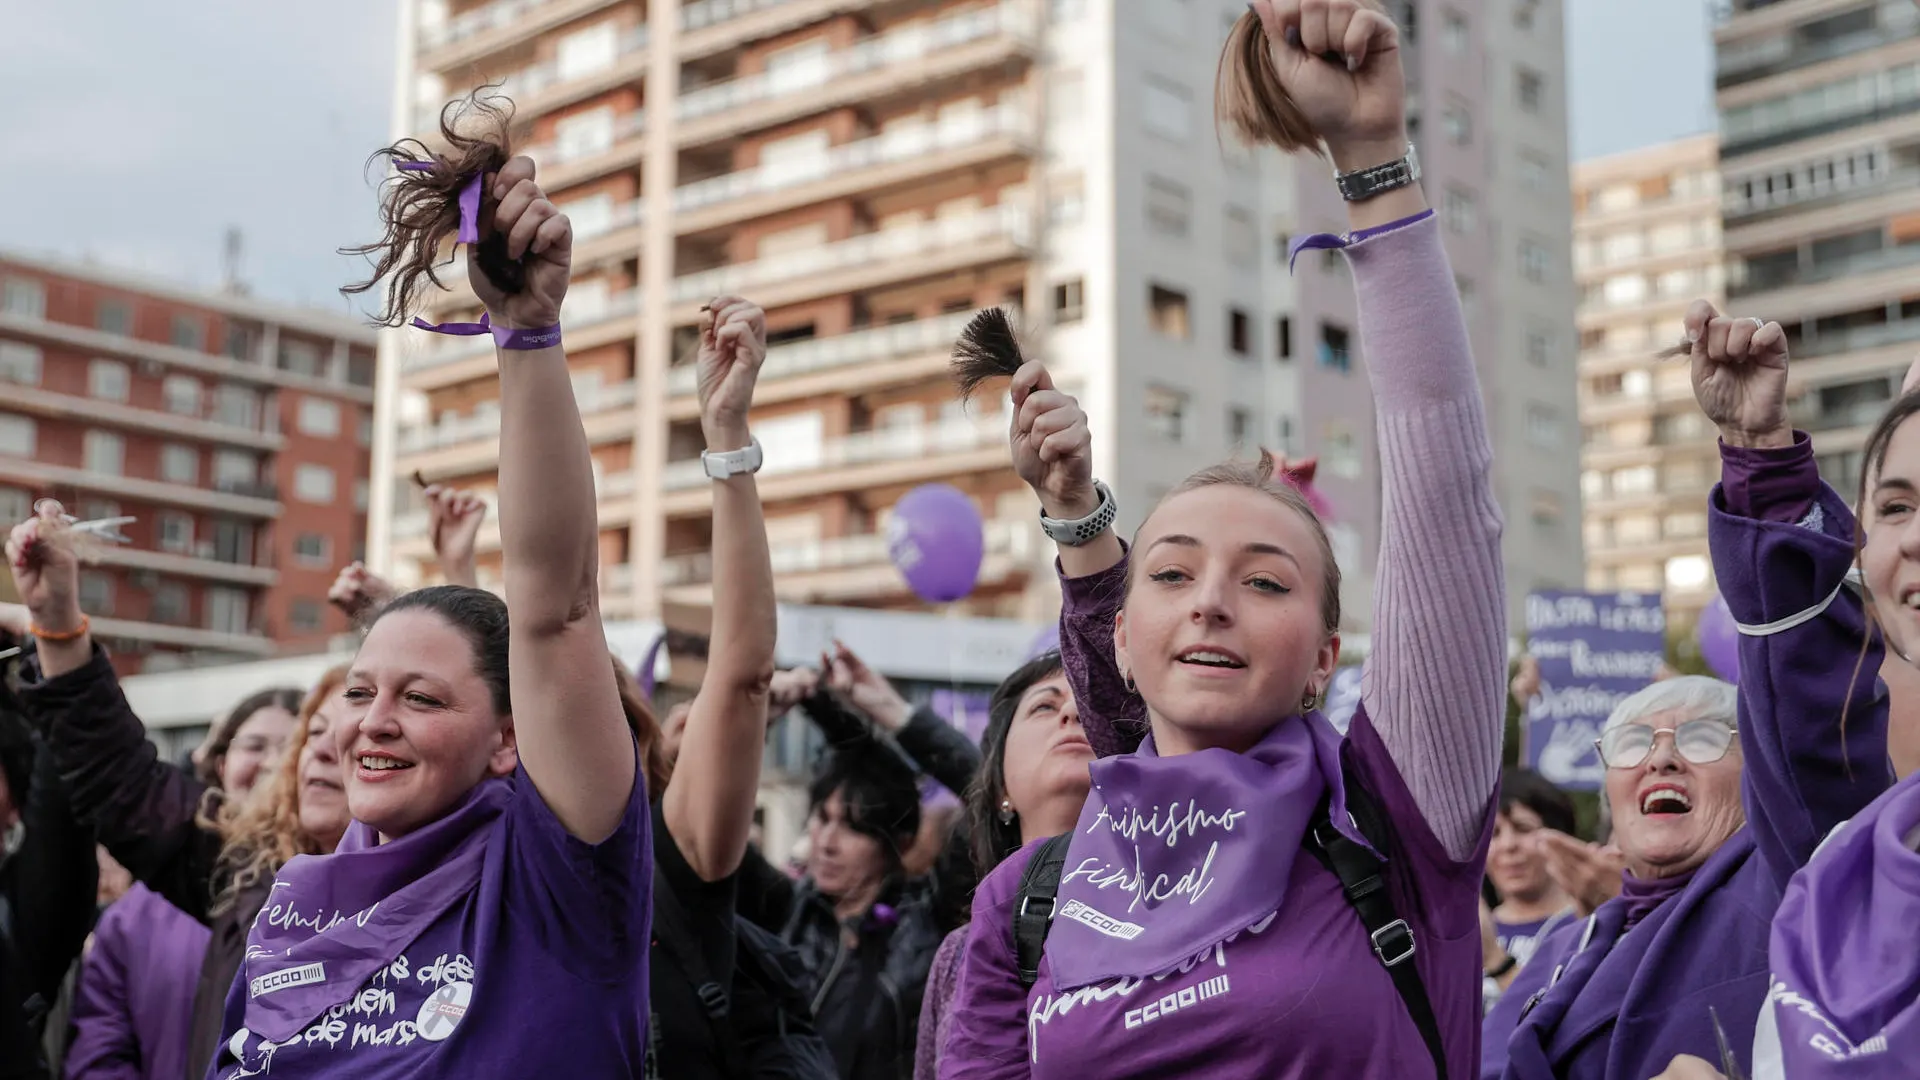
(988, 348)
(420, 208)
(1250, 99)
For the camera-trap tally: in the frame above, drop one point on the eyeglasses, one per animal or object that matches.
(1701, 742)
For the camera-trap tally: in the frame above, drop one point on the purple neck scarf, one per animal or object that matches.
(332, 921)
(1172, 856)
(1642, 895)
(1846, 961)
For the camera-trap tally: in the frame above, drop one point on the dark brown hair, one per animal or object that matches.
(988, 349)
(991, 839)
(1250, 99)
(420, 207)
(213, 752)
(1260, 476)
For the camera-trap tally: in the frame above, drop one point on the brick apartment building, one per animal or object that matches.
(235, 431)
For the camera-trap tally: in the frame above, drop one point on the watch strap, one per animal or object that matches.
(1362, 184)
(730, 463)
(1079, 531)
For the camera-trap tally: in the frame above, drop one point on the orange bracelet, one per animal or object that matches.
(70, 635)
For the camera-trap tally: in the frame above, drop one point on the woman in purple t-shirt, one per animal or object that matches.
(1192, 933)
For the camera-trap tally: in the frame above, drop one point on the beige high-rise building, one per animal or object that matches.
(1820, 154)
(873, 171)
(1646, 244)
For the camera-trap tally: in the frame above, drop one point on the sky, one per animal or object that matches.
(135, 133)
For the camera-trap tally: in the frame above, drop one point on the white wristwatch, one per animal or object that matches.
(728, 463)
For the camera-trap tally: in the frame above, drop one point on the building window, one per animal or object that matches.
(114, 316)
(1548, 511)
(313, 550)
(1523, 13)
(360, 367)
(182, 394)
(189, 332)
(105, 452)
(314, 484)
(170, 603)
(1168, 109)
(16, 505)
(299, 357)
(1543, 427)
(1531, 88)
(96, 592)
(1166, 412)
(1167, 311)
(1535, 261)
(108, 380)
(1539, 348)
(233, 542)
(176, 531)
(1069, 301)
(238, 406)
(1461, 213)
(1241, 243)
(305, 616)
(1536, 173)
(25, 297)
(1453, 32)
(318, 417)
(20, 363)
(240, 343)
(1335, 348)
(364, 424)
(362, 494)
(1239, 332)
(16, 438)
(1169, 207)
(1458, 123)
(1688, 572)
(1285, 335)
(226, 610)
(234, 468)
(1066, 200)
(179, 464)
(1239, 423)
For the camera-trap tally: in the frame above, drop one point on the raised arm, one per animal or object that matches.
(1436, 675)
(1782, 546)
(568, 724)
(453, 521)
(709, 803)
(936, 747)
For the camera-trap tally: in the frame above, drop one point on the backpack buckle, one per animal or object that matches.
(714, 997)
(1396, 938)
(1027, 902)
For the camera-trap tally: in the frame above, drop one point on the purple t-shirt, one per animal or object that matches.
(1297, 996)
(543, 963)
(1519, 939)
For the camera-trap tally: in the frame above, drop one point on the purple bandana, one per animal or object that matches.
(1846, 967)
(332, 921)
(469, 234)
(1172, 856)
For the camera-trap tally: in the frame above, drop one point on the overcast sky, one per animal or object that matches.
(135, 132)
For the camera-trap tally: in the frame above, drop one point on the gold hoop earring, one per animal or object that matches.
(1006, 811)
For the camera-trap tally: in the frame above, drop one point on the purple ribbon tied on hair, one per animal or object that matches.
(469, 234)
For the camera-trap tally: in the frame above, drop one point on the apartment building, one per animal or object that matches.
(873, 171)
(1820, 156)
(1646, 245)
(236, 433)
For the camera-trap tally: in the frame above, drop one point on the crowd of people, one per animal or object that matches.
(476, 850)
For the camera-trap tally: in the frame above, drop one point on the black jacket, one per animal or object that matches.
(144, 810)
(866, 998)
(46, 911)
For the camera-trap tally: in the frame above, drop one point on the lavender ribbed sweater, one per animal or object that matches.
(1434, 685)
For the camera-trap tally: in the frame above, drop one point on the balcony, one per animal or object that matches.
(184, 637)
(1834, 269)
(590, 318)
(187, 566)
(709, 26)
(926, 337)
(461, 445)
(1789, 49)
(1870, 278)
(46, 403)
(856, 566)
(564, 164)
(904, 454)
(255, 501)
(865, 166)
(927, 249)
(918, 54)
(471, 35)
(1856, 339)
(82, 339)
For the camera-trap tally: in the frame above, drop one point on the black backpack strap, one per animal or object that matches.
(1033, 905)
(676, 938)
(1363, 879)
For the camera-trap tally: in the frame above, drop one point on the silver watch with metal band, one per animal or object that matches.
(1362, 184)
(728, 463)
(1081, 531)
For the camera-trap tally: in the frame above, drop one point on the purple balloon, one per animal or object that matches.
(936, 540)
(1720, 639)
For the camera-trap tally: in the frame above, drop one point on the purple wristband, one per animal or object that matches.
(545, 337)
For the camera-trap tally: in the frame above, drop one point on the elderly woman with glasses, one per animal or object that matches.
(1718, 796)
